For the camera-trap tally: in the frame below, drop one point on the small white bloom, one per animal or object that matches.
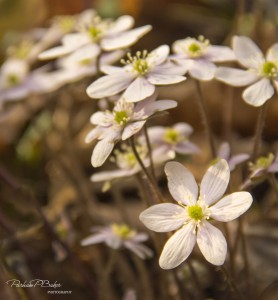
(138, 77)
(119, 236)
(198, 56)
(191, 215)
(124, 121)
(173, 139)
(261, 71)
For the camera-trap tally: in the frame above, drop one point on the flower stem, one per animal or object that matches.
(204, 115)
(231, 283)
(144, 169)
(259, 130)
(149, 150)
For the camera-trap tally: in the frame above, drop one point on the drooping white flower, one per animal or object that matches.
(138, 77)
(103, 34)
(173, 139)
(224, 151)
(261, 73)
(198, 56)
(190, 217)
(124, 121)
(119, 236)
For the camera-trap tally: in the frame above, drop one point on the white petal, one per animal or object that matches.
(159, 105)
(231, 206)
(237, 159)
(138, 90)
(109, 85)
(124, 39)
(101, 152)
(272, 53)
(258, 93)
(87, 52)
(247, 52)
(110, 69)
(172, 68)
(94, 239)
(178, 247)
(181, 183)
(163, 79)
(111, 57)
(235, 77)
(75, 40)
(163, 217)
(215, 182)
(183, 128)
(123, 23)
(224, 151)
(109, 175)
(132, 129)
(158, 55)
(212, 243)
(54, 52)
(220, 54)
(186, 148)
(92, 135)
(202, 70)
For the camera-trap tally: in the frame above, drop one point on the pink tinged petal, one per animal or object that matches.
(94, 239)
(159, 105)
(163, 79)
(224, 151)
(55, 52)
(123, 23)
(258, 93)
(235, 77)
(140, 237)
(110, 175)
(110, 69)
(124, 39)
(109, 85)
(101, 152)
(220, 54)
(163, 217)
(90, 51)
(212, 243)
(272, 53)
(141, 250)
(231, 206)
(183, 128)
(187, 148)
(138, 90)
(274, 167)
(170, 68)
(178, 247)
(215, 182)
(92, 135)
(237, 159)
(158, 55)
(202, 70)
(247, 52)
(181, 183)
(114, 242)
(131, 129)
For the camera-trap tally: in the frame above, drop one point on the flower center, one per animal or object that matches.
(95, 32)
(123, 231)
(171, 136)
(12, 80)
(195, 48)
(263, 162)
(270, 69)
(121, 117)
(139, 62)
(195, 212)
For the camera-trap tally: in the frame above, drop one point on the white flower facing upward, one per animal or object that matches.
(100, 34)
(192, 214)
(124, 121)
(261, 73)
(138, 77)
(198, 56)
(119, 236)
(173, 139)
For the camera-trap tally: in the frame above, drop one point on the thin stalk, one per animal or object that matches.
(144, 169)
(196, 280)
(204, 116)
(259, 130)
(230, 248)
(149, 150)
(228, 114)
(231, 283)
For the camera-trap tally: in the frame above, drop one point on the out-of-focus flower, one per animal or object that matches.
(192, 213)
(130, 295)
(124, 121)
(119, 236)
(198, 56)
(103, 34)
(224, 151)
(172, 140)
(138, 77)
(261, 73)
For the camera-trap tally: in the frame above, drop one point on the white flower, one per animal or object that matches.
(138, 77)
(173, 139)
(124, 121)
(261, 71)
(198, 56)
(104, 34)
(119, 236)
(191, 215)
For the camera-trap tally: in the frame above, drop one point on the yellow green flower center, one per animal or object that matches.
(85, 61)
(194, 48)
(264, 162)
(171, 136)
(139, 62)
(121, 117)
(12, 79)
(123, 231)
(95, 33)
(195, 212)
(270, 69)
